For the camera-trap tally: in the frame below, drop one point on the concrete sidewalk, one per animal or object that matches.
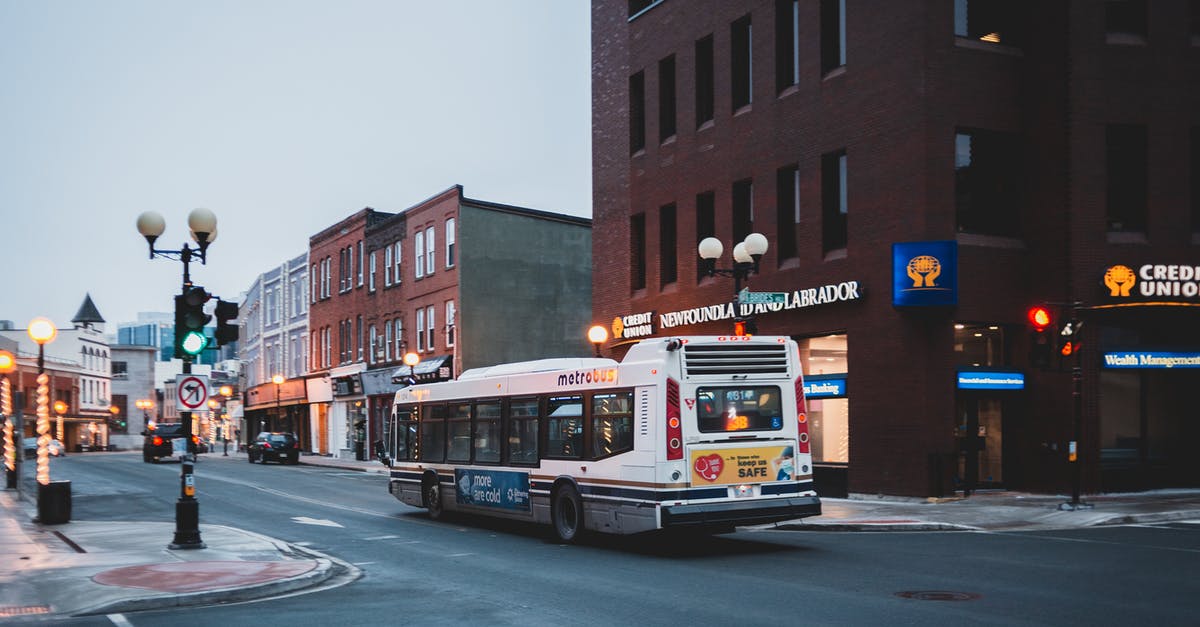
(83, 568)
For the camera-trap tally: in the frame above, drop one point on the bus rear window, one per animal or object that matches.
(749, 408)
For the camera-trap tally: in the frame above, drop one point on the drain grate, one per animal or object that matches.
(23, 610)
(938, 595)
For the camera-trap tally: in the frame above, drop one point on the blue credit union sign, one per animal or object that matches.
(925, 274)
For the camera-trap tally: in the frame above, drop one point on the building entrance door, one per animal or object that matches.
(979, 435)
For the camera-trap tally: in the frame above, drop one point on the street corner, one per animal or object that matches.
(202, 576)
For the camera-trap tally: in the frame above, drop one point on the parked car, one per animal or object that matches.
(56, 448)
(275, 446)
(160, 442)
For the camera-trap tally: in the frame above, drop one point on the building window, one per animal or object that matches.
(992, 21)
(987, 183)
(373, 336)
(315, 276)
(397, 257)
(341, 270)
(387, 340)
(450, 317)
(450, 241)
(420, 330)
(1125, 21)
(743, 209)
(666, 98)
(430, 257)
(419, 254)
(637, 112)
(399, 322)
(360, 263)
(705, 83)
(833, 35)
(371, 274)
(740, 63)
(834, 205)
(328, 277)
(828, 418)
(787, 43)
(387, 266)
(706, 223)
(787, 210)
(314, 350)
(1195, 175)
(668, 267)
(430, 326)
(638, 6)
(358, 334)
(637, 251)
(120, 369)
(1126, 177)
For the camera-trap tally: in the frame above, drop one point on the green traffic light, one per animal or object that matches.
(194, 342)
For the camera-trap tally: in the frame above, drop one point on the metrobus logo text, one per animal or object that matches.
(583, 377)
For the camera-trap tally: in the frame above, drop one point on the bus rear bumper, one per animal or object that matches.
(740, 512)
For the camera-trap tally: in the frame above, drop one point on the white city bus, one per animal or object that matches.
(687, 432)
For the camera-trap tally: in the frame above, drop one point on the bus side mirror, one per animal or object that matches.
(381, 453)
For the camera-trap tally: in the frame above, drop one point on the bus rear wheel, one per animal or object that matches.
(433, 499)
(566, 514)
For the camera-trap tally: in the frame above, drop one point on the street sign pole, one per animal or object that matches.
(187, 508)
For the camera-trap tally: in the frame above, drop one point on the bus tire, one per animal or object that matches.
(433, 498)
(566, 514)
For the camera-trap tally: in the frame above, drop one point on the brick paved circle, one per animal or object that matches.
(201, 576)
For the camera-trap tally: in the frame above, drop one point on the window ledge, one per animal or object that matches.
(989, 241)
(834, 73)
(1125, 39)
(837, 253)
(743, 110)
(987, 46)
(1127, 237)
(788, 91)
(705, 126)
(668, 141)
(640, 152)
(790, 263)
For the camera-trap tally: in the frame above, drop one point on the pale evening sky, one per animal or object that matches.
(281, 116)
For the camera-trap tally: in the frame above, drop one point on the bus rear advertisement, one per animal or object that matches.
(690, 432)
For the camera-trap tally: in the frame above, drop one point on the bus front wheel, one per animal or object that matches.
(433, 499)
(566, 513)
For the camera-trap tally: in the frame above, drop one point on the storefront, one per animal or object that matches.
(277, 407)
(348, 412)
(380, 392)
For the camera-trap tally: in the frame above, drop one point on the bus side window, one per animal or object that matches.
(612, 423)
(458, 433)
(523, 431)
(433, 433)
(564, 426)
(405, 434)
(487, 431)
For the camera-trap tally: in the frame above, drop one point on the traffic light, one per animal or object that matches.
(190, 319)
(1041, 343)
(227, 329)
(1070, 338)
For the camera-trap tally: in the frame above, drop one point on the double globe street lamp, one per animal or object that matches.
(747, 255)
(202, 224)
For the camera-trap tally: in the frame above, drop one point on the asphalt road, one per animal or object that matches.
(483, 572)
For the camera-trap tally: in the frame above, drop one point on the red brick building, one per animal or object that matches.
(460, 282)
(924, 173)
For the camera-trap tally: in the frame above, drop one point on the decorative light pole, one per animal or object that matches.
(202, 224)
(54, 499)
(746, 257)
(597, 335)
(7, 364)
(60, 410)
(225, 391)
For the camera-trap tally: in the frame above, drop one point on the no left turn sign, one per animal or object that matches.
(191, 392)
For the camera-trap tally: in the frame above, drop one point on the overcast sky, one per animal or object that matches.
(281, 116)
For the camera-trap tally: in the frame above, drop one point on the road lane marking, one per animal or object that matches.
(320, 522)
(119, 619)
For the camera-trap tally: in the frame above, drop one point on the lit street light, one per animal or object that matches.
(7, 364)
(597, 335)
(54, 499)
(278, 381)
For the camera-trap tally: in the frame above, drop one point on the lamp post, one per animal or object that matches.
(597, 335)
(7, 364)
(202, 224)
(225, 391)
(411, 360)
(746, 257)
(54, 499)
(145, 405)
(278, 381)
(60, 410)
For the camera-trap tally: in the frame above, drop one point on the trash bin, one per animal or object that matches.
(54, 502)
(359, 454)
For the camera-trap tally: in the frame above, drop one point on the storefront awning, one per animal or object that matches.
(438, 368)
(376, 382)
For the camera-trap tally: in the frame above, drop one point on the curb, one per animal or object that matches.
(872, 526)
(1156, 517)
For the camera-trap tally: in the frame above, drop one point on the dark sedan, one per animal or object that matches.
(275, 446)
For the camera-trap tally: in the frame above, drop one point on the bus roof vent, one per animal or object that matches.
(730, 359)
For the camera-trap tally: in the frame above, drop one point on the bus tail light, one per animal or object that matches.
(674, 426)
(801, 416)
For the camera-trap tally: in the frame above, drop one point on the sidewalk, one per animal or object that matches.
(83, 568)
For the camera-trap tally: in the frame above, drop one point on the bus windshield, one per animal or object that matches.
(739, 408)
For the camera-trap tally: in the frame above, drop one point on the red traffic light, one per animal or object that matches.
(1039, 317)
